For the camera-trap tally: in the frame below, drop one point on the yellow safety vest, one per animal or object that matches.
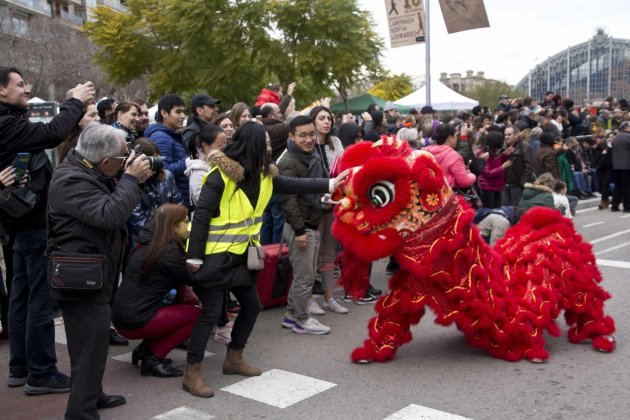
(238, 221)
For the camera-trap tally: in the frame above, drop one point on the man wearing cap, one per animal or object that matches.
(165, 133)
(204, 109)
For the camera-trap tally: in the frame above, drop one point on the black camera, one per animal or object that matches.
(156, 163)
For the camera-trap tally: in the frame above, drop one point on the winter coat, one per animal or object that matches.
(196, 169)
(621, 151)
(566, 174)
(546, 161)
(301, 211)
(235, 274)
(455, 171)
(18, 135)
(602, 161)
(522, 169)
(138, 299)
(278, 135)
(493, 176)
(172, 148)
(534, 196)
(194, 127)
(267, 96)
(87, 214)
(154, 194)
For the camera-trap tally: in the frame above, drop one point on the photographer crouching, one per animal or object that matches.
(87, 217)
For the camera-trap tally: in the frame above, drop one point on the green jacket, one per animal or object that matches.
(565, 170)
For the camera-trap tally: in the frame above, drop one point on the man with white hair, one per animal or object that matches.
(87, 216)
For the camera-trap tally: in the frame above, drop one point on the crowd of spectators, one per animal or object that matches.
(175, 206)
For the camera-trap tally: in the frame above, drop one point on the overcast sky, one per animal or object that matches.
(521, 33)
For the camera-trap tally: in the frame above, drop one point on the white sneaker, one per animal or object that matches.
(314, 308)
(310, 326)
(333, 306)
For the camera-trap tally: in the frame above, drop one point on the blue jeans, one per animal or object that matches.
(31, 326)
(581, 181)
(273, 221)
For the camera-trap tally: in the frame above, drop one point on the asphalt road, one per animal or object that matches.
(436, 376)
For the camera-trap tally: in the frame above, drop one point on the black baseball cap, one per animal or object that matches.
(203, 99)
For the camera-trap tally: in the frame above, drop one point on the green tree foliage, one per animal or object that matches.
(231, 48)
(392, 88)
(488, 94)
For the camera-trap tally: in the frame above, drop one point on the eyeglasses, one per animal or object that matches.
(312, 134)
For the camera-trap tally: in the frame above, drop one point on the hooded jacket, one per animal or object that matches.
(452, 164)
(138, 299)
(172, 148)
(267, 96)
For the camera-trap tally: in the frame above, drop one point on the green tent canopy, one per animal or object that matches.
(358, 104)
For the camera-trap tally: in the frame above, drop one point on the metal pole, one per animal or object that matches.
(427, 39)
(588, 73)
(568, 69)
(610, 53)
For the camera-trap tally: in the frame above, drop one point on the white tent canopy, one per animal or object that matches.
(442, 98)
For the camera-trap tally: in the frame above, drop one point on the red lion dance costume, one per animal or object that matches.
(396, 201)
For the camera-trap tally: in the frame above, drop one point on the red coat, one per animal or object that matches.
(268, 96)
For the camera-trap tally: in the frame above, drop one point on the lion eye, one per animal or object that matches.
(382, 193)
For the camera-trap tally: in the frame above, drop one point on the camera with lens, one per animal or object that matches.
(156, 163)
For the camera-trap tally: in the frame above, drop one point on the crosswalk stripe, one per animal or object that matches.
(418, 412)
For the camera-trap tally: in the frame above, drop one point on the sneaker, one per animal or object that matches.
(56, 384)
(366, 300)
(289, 321)
(374, 291)
(314, 308)
(310, 326)
(223, 335)
(14, 380)
(333, 306)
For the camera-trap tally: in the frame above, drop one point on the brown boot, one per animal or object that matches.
(193, 382)
(603, 204)
(234, 364)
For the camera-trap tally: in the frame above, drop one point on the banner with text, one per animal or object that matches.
(406, 22)
(464, 15)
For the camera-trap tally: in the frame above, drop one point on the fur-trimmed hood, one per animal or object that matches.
(232, 168)
(538, 187)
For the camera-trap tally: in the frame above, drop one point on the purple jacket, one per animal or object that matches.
(493, 176)
(452, 164)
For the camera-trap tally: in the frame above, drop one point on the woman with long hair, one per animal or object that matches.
(126, 117)
(492, 180)
(226, 222)
(240, 114)
(349, 133)
(330, 150)
(225, 123)
(146, 305)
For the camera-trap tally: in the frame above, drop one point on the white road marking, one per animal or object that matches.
(279, 388)
(604, 251)
(585, 210)
(593, 224)
(607, 237)
(418, 412)
(623, 217)
(611, 263)
(183, 413)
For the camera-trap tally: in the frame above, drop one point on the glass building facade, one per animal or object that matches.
(587, 72)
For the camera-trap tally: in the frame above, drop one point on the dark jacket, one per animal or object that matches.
(522, 169)
(17, 135)
(278, 135)
(301, 211)
(174, 152)
(208, 207)
(87, 214)
(193, 128)
(154, 194)
(621, 151)
(602, 161)
(546, 161)
(138, 299)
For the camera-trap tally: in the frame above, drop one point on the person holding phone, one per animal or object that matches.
(30, 314)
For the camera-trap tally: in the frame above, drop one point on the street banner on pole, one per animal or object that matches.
(406, 22)
(464, 15)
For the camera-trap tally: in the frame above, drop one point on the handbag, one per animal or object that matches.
(76, 272)
(18, 201)
(255, 257)
(471, 196)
